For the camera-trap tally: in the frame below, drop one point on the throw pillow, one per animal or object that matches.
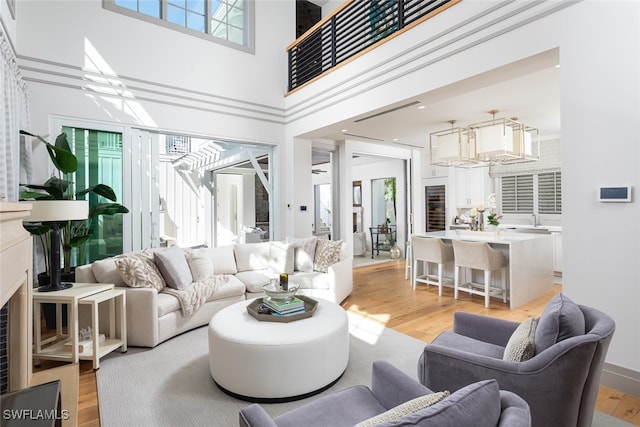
(561, 319)
(173, 265)
(224, 259)
(304, 253)
(105, 271)
(327, 254)
(404, 409)
(200, 264)
(281, 257)
(521, 345)
(139, 271)
(476, 405)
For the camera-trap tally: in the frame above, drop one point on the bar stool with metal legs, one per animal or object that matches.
(479, 256)
(430, 250)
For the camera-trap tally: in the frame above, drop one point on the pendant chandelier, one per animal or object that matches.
(452, 147)
(496, 141)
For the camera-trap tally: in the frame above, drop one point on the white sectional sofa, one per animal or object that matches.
(156, 307)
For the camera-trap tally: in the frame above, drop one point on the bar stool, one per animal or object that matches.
(408, 259)
(479, 256)
(430, 250)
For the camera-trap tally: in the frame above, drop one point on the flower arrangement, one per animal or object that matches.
(493, 217)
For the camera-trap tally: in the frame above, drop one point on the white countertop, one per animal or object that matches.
(504, 238)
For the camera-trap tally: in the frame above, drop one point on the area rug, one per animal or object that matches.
(170, 385)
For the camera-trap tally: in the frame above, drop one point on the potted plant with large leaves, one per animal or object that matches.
(74, 234)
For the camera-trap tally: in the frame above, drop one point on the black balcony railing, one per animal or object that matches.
(356, 26)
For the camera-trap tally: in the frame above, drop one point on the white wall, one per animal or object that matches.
(600, 107)
(81, 61)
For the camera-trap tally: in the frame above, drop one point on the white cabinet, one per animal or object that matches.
(472, 186)
(557, 252)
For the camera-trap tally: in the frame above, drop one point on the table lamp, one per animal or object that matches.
(53, 213)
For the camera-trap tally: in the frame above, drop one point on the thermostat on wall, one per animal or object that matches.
(614, 194)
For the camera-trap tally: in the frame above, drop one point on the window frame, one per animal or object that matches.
(249, 18)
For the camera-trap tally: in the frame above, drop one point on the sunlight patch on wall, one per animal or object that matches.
(111, 91)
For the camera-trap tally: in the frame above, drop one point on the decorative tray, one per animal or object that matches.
(310, 306)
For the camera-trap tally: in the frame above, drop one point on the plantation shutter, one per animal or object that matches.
(517, 194)
(549, 193)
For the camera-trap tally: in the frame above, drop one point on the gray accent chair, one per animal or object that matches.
(480, 405)
(560, 382)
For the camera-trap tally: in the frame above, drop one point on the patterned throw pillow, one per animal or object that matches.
(327, 254)
(521, 345)
(404, 409)
(139, 271)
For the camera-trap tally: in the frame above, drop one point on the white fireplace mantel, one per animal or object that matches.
(16, 287)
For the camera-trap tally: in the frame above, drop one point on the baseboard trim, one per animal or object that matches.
(619, 378)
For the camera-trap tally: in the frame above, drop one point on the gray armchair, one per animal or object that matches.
(560, 382)
(480, 405)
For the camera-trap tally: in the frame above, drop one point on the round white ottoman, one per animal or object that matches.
(269, 362)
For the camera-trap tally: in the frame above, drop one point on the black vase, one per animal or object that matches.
(49, 310)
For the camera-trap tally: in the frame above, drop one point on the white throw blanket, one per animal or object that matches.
(194, 297)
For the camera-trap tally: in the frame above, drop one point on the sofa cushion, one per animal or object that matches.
(106, 271)
(200, 263)
(561, 319)
(521, 344)
(327, 254)
(477, 405)
(167, 304)
(252, 256)
(255, 280)
(139, 271)
(405, 408)
(228, 286)
(467, 344)
(304, 253)
(173, 265)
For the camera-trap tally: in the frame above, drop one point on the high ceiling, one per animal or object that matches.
(528, 90)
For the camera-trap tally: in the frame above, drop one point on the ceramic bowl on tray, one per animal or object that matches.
(275, 291)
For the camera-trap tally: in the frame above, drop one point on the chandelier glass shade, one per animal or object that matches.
(452, 147)
(503, 141)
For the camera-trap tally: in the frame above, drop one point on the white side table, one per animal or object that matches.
(72, 297)
(112, 341)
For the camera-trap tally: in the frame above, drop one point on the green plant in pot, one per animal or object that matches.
(71, 233)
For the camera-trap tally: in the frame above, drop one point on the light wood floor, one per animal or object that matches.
(381, 293)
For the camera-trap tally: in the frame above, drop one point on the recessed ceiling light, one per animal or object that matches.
(345, 130)
(395, 139)
(422, 107)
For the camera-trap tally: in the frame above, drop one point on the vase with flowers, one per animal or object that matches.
(494, 217)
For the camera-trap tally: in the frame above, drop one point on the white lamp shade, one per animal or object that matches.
(451, 147)
(58, 210)
(505, 141)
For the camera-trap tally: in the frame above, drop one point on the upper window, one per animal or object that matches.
(223, 20)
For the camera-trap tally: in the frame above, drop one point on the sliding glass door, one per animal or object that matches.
(100, 161)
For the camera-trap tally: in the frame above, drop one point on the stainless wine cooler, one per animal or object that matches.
(435, 197)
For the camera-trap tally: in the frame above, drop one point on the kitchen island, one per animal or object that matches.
(529, 257)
